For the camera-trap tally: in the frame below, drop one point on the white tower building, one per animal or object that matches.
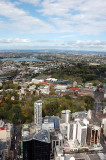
(73, 131)
(104, 129)
(65, 116)
(81, 133)
(38, 115)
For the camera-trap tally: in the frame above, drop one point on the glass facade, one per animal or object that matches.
(36, 150)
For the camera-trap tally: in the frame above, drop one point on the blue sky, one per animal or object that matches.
(53, 24)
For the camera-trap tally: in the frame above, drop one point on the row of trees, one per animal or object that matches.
(15, 111)
(81, 71)
(9, 85)
(55, 107)
(19, 112)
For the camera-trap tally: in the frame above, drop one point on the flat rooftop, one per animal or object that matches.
(81, 123)
(3, 145)
(38, 101)
(83, 156)
(43, 136)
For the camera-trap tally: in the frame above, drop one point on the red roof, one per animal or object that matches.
(74, 89)
(2, 128)
(50, 84)
(0, 101)
(43, 83)
(66, 145)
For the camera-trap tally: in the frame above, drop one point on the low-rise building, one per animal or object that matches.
(6, 130)
(54, 122)
(45, 89)
(88, 85)
(25, 130)
(37, 81)
(75, 84)
(60, 88)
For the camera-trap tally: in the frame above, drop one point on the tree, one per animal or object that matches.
(90, 102)
(94, 84)
(52, 108)
(101, 85)
(17, 116)
(52, 90)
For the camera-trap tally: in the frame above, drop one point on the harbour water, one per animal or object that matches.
(21, 59)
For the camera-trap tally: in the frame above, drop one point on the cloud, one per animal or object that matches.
(43, 41)
(16, 40)
(51, 21)
(20, 20)
(89, 42)
(48, 41)
(74, 7)
(86, 45)
(85, 17)
(9, 10)
(82, 16)
(67, 36)
(34, 2)
(89, 45)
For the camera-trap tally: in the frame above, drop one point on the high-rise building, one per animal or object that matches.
(73, 131)
(65, 116)
(104, 129)
(81, 133)
(93, 135)
(38, 115)
(37, 146)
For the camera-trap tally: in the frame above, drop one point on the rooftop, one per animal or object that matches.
(38, 101)
(82, 124)
(65, 111)
(3, 145)
(43, 136)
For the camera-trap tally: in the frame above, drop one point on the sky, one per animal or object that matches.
(53, 24)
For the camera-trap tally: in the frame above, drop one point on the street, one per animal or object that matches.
(16, 142)
(98, 107)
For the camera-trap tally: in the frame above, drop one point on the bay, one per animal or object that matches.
(21, 59)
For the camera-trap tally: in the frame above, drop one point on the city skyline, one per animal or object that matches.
(53, 24)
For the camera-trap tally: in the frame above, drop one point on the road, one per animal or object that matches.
(15, 144)
(98, 107)
(98, 95)
(102, 142)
